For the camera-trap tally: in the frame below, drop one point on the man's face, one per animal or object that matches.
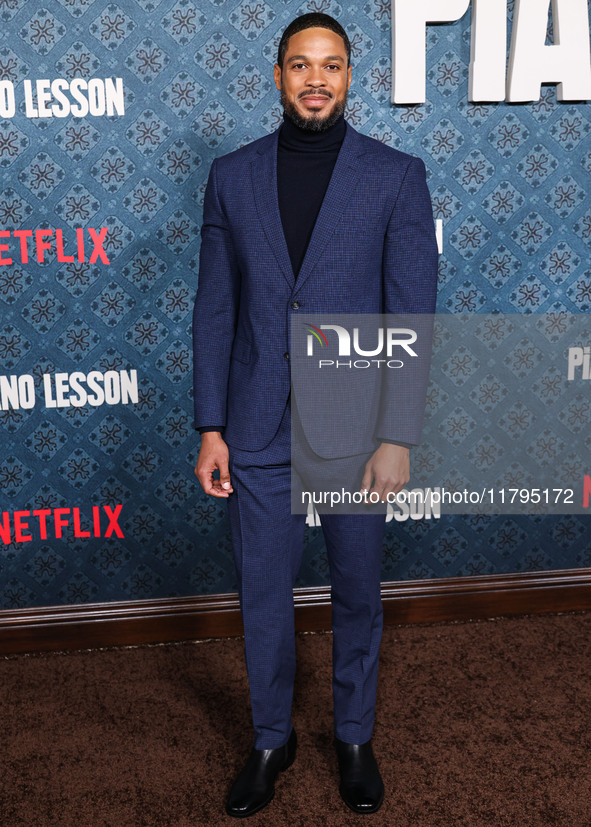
(315, 78)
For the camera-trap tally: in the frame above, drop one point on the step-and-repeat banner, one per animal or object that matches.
(110, 116)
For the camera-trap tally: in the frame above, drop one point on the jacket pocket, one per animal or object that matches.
(241, 350)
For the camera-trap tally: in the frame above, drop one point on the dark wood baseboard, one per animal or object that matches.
(137, 622)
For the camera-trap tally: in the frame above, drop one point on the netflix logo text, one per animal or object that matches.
(45, 523)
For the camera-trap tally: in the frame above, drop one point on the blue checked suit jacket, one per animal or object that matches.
(373, 250)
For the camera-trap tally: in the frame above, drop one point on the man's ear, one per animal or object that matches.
(349, 74)
(277, 76)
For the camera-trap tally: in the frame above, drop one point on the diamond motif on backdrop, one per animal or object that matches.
(377, 80)
(142, 462)
(178, 232)
(112, 304)
(146, 333)
(175, 362)
(13, 346)
(443, 141)
(112, 27)
(76, 278)
(485, 454)
(571, 129)
(379, 13)
(42, 31)
(448, 73)
(580, 292)
(460, 366)
(144, 269)
(173, 549)
(147, 60)
(45, 566)
(78, 206)
(12, 66)
(183, 94)
(78, 340)
(175, 490)
(177, 300)
(77, 138)
(508, 135)
(183, 21)
(214, 124)
(503, 202)
(531, 233)
(78, 468)
(470, 237)
(357, 111)
(148, 132)
(251, 18)
(465, 299)
(536, 165)
(179, 162)
(145, 200)
(14, 475)
(13, 209)
(412, 118)
(457, 426)
(216, 55)
(13, 143)
(13, 282)
(249, 87)
(529, 295)
(77, 62)
(45, 441)
(175, 428)
(110, 559)
(42, 175)
(565, 196)
(75, 7)
(110, 435)
(473, 172)
(489, 393)
(500, 266)
(575, 416)
(112, 169)
(560, 262)
(42, 311)
(119, 237)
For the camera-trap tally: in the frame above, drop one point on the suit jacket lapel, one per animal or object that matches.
(264, 182)
(344, 177)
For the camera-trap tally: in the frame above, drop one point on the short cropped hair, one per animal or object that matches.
(312, 20)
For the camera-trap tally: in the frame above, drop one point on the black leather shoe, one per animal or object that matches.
(255, 785)
(362, 788)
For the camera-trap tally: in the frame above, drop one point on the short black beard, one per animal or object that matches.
(315, 123)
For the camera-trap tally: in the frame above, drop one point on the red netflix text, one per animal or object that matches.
(43, 523)
(36, 242)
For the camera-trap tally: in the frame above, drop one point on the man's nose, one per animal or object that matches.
(316, 78)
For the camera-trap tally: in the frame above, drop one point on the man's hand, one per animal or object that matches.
(213, 454)
(387, 470)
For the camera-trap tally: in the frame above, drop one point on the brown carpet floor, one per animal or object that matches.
(484, 723)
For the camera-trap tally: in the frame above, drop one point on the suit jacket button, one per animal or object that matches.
(286, 356)
(295, 305)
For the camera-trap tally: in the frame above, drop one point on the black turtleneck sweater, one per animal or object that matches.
(305, 161)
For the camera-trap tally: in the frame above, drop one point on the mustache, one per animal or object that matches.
(316, 92)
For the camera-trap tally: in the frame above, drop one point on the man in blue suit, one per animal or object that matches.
(314, 218)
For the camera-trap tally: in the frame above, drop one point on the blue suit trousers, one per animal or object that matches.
(268, 543)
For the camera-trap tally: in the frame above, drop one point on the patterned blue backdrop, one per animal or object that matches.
(508, 181)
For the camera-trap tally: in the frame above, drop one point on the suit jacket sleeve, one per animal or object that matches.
(215, 311)
(410, 291)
